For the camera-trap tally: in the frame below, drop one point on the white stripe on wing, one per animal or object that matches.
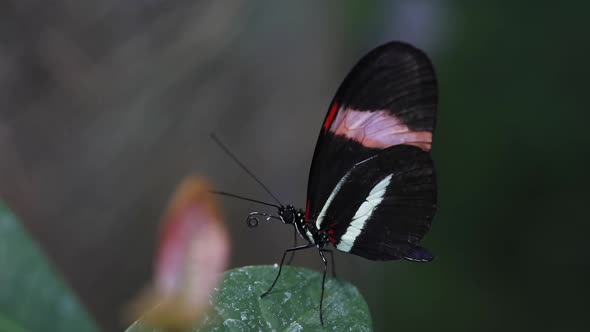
(322, 214)
(363, 214)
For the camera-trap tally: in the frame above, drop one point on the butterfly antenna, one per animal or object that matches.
(235, 159)
(223, 193)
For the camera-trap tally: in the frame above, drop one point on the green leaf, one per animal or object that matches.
(32, 296)
(292, 306)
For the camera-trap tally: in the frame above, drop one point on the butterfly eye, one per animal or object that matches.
(288, 217)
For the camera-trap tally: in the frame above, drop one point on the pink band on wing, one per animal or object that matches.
(378, 129)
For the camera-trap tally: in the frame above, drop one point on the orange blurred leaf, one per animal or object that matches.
(193, 251)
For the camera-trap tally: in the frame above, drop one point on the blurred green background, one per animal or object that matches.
(105, 105)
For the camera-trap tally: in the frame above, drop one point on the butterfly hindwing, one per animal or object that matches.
(383, 206)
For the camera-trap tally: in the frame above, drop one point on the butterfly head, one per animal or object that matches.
(296, 217)
(288, 214)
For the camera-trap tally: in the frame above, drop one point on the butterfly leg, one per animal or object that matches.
(332, 261)
(294, 245)
(281, 266)
(323, 285)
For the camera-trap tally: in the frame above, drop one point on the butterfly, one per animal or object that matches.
(372, 186)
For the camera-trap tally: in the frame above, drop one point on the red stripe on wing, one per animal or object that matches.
(331, 116)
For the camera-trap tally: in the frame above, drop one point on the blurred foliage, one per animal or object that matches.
(32, 296)
(292, 306)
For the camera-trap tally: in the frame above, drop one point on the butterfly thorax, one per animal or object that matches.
(305, 228)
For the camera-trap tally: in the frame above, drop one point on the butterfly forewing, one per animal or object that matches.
(371, 172)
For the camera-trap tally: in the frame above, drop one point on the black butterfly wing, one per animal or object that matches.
(383, 206)
(385, 112)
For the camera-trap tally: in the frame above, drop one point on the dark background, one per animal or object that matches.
(106, 105)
